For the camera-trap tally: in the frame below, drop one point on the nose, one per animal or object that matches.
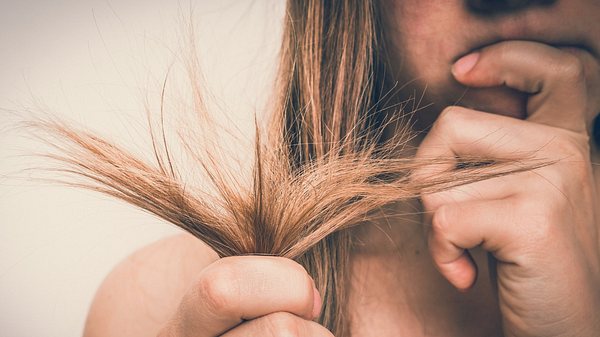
(499, 6)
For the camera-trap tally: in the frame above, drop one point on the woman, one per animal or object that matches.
(513, 255)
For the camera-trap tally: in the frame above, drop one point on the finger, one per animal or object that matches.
(458, 227)
(240, 288)
(555, 78)
(455, 130)
(486, 190)
(461, 132)
(591, 69)
(279, 324)
(489, 189)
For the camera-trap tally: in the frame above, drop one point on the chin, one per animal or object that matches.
(502, 101)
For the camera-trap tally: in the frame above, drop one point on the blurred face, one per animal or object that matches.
(428, 36)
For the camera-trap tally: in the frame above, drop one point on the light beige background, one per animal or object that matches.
(90, 61)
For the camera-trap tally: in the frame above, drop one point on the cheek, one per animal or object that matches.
(424, 42)
(428, 62)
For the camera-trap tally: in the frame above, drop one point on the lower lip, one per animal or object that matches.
(575, 50)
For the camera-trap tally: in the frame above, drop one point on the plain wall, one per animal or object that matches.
(91, 62)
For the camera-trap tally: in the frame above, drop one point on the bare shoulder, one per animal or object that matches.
(142, 292)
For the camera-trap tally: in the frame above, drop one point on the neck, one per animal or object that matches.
(396, 229)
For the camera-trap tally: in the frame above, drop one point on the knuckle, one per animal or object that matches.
(440, 221)
(296, 274)
(451, 120)
(295, 267)
(449, 115)
(219, 289)
(427, 202)
(231, 281)
(447, 197)
(445, 114)
(283, 324)
(432, 201)
(571, 68)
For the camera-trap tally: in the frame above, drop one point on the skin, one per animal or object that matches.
(427, 37)
(540, 226)
(526, 91)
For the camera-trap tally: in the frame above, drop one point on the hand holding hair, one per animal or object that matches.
(249, 296)
(539, 225)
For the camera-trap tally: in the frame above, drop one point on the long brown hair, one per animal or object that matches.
(324, 164)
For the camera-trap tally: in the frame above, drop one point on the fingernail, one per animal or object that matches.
(316, 303)
(465, 64)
